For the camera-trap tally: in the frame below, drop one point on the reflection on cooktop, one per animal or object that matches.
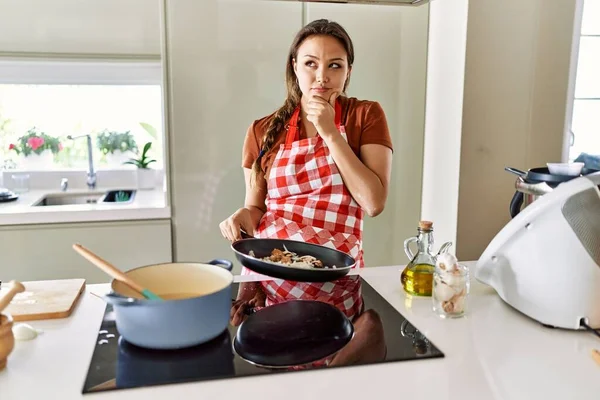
(117, 364)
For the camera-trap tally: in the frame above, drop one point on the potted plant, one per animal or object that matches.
(145, 175)
(116, 146)
(38, 149)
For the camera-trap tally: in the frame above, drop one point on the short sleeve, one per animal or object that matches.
(375, 127)
(251, 148)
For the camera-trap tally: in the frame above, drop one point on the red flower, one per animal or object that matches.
(60, 146)
(35, 142)
(11, 146)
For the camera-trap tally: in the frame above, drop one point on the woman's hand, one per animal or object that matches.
(240, 306)
(321, 113)
(241, 219)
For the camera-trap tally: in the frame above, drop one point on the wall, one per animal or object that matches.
(516, 84)
(443, 124)
(218, 87)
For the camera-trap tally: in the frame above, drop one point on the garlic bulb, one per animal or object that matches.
(447, 262)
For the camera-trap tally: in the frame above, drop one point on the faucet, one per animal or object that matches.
(91, 174)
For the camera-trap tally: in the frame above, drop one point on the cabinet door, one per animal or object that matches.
(37, 252)
(226, 68)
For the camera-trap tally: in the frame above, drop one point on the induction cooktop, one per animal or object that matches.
(117, 364)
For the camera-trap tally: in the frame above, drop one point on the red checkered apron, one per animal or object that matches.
(308, 201)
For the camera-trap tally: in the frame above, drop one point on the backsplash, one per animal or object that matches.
(122, 178)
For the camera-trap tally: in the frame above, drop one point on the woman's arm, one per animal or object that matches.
(255, 197)
(247, 217)
(367, 179)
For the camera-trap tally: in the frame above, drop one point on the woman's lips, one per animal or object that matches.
(320, 90)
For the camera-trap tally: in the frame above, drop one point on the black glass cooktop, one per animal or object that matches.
(117, 364)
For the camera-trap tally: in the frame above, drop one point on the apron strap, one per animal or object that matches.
(293, 133)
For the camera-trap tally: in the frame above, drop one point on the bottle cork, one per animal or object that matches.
(426, 225)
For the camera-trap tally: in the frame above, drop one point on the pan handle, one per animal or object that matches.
(515, 171)
(245, 235)
(515, 204)
(115, 299)
(219, 262)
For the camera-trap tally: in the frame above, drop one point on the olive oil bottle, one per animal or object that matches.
(417, 276)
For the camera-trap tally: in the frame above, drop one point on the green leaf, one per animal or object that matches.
(146, 148)
(150, 129)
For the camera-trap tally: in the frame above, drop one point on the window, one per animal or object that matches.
(119, 104)
(585, 119)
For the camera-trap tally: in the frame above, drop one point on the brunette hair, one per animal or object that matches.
(317, 27)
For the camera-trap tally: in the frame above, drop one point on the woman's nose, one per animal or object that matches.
(321, 77)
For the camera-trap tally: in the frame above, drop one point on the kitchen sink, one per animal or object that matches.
(65, 198)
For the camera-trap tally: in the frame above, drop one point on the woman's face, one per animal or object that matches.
(321, 66)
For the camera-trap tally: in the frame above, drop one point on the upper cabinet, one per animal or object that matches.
(116, 27)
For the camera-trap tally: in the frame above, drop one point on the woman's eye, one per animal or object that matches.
(310, 63)
(335, 65)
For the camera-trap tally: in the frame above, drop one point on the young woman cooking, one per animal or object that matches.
(313, 168)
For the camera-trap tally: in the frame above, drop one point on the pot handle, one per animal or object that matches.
(516, 203)
(219, 262)
(115, 299)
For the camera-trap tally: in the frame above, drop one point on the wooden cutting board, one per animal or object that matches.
(44, 299)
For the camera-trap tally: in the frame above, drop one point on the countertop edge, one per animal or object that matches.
(77, 216)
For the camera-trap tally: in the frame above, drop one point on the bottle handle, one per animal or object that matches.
(407, 243)
(444, 248)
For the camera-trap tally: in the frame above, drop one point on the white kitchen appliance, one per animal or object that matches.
(546, 261)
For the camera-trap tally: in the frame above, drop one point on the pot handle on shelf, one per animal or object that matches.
(219, 262)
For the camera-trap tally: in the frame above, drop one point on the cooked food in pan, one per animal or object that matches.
(291, 259)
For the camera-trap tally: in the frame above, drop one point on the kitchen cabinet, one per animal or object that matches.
(36, 252)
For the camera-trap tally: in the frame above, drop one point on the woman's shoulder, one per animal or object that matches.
(355, 109)
(365, 123)
(259, 126)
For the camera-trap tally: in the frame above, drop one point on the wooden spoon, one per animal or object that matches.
(114, 272)
(17, 287)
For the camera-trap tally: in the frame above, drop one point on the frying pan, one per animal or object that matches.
(293, 333)
(263, 247)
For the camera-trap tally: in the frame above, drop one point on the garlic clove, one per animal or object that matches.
(24, 332)
(459, 304)
(443, 292)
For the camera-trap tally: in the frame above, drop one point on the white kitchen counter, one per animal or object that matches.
(147, 204)
(493, 353)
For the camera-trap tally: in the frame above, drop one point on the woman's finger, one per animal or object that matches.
(239, 315)
(232, 226)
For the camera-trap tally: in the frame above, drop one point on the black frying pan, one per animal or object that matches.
(293, 333)
(263, 248)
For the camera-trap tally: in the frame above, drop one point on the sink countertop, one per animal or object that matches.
(493, 353)
(147, 204)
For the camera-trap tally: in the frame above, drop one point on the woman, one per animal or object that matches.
(312, 169)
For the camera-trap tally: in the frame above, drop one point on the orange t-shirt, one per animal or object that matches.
(364, 121)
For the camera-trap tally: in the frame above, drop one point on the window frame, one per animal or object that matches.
(80, 72)
(569, 135)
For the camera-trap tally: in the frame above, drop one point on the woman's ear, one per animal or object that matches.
(294, 65)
